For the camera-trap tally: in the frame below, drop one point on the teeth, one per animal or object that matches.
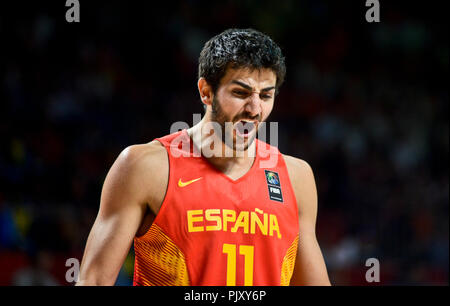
(245, 127)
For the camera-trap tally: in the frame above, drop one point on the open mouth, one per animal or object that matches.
(244, 128)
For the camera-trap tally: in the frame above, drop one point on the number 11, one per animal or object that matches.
(247, 251)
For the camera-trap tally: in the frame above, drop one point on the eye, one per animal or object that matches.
(240, 93)
(266, 96)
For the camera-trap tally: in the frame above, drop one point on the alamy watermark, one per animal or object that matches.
(73, 13)
(373, 13)
(238, 139)
(373, 273)
(73, 272)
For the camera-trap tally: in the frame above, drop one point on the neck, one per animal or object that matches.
(218, 153)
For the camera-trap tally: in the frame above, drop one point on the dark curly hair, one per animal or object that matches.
(239, 48)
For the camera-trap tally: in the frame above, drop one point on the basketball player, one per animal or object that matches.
(213, 219)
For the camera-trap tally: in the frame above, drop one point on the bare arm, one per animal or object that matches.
(310, 266)
(129, 189)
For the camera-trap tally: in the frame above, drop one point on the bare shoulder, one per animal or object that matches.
(142, 172)
(298, 169)
(143, 155)
(302, 180)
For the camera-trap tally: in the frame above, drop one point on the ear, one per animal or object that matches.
(205, 91)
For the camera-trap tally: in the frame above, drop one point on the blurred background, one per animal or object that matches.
(365, 104)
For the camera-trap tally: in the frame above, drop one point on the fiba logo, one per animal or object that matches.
(272, 178)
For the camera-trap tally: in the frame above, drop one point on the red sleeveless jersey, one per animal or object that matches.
(212, 230)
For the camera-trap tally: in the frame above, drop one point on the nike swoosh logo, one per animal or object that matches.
(184, 184)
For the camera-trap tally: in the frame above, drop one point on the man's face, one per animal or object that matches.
(245, 99)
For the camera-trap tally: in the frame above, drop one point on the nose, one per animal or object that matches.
(253, 106)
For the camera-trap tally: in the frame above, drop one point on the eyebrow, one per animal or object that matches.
(249, 87)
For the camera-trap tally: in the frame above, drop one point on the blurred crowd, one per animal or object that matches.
(366, 105)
